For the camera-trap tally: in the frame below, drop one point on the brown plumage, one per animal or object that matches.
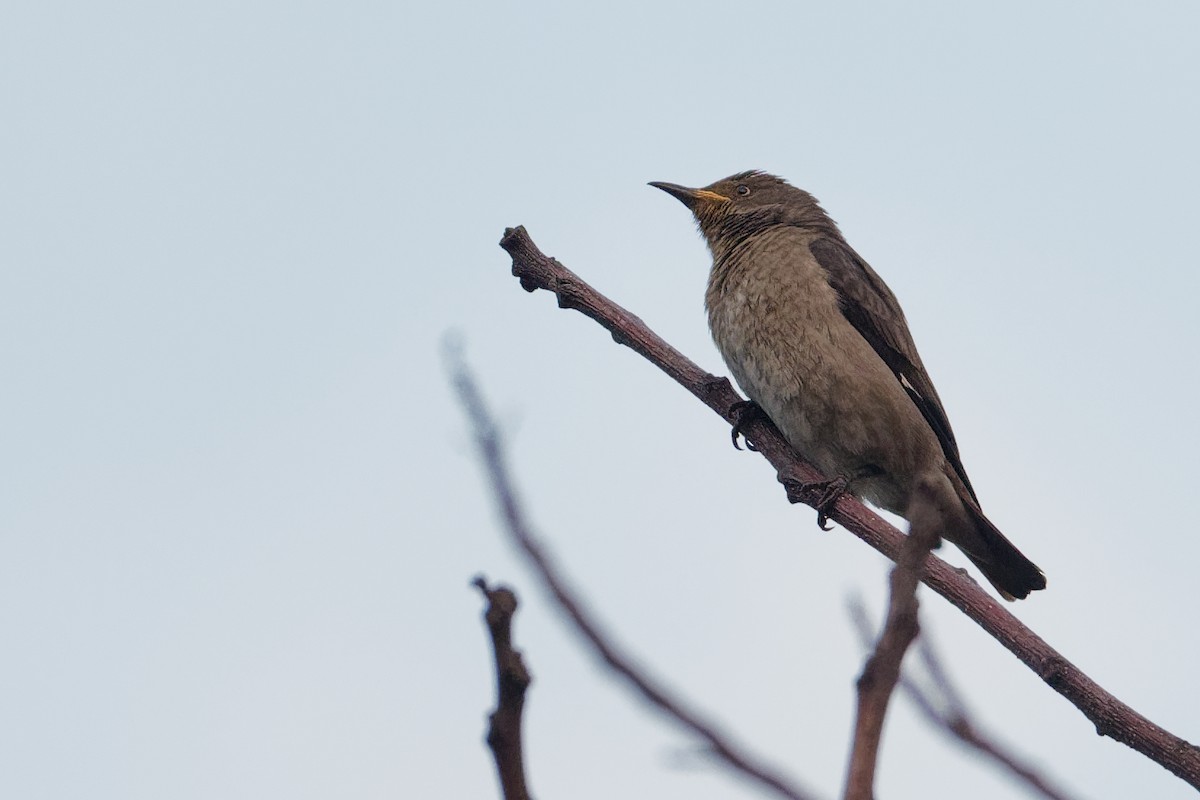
(818, 341)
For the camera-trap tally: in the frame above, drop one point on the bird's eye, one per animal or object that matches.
(743, 190)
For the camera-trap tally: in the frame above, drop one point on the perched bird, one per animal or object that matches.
(818, 342)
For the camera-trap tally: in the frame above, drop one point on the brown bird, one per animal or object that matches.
(819, 343)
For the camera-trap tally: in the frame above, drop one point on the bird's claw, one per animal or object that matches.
(830, 492)
(743, 413)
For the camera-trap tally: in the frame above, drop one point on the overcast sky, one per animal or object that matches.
(238, 505)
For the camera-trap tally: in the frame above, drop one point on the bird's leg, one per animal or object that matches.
(743, 413)
(827, 492)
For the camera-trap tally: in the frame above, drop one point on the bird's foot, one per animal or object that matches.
(827, 493)
(743, 413)
(831, 492)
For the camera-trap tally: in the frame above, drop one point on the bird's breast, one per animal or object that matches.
(774, 317)
(779, 327)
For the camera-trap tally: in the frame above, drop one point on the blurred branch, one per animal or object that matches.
(882, 670)
(512, 679)
(949, 714)
(491, 454)
(1110, 716)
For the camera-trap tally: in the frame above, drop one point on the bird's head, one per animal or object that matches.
(742, 204)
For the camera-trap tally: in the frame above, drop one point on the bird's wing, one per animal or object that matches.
(869, 305)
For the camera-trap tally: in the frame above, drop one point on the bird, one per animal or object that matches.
(819, 343)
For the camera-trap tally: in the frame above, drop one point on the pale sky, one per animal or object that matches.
(238, 507)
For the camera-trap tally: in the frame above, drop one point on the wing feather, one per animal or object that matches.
(869, 305)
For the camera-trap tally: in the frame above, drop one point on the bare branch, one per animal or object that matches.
(949, 714)
(957, 721)
(1110, 716)
(512, 679)
(882, 669)
(491, 453)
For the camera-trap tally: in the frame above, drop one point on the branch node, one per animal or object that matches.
(715, 386)
(1053, 671)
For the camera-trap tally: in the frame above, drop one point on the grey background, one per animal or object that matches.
(239, 508)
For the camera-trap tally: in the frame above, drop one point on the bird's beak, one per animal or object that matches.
(692, 198)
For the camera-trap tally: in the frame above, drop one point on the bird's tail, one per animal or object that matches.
(1006, 567)
(942, 500)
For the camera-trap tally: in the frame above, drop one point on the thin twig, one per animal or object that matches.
(950, 715)
(882, 670)
(956, 720)
(1111, 717)
(512, 680)
(491, 453)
